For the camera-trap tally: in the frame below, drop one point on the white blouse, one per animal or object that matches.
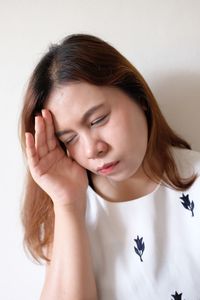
(148, 248)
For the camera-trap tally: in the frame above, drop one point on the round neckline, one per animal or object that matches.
(136, 200)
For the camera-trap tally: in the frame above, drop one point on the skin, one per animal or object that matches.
(65, 182)
(60, 177)
(114, 130)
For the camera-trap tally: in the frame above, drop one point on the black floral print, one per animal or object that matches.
(140, 247)
(177, 296)
(187, 203)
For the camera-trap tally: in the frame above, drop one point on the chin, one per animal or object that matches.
(118, 177)
(126, 175)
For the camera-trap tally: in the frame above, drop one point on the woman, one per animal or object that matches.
(111, 200)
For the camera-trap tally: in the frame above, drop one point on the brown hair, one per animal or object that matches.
(87, 58)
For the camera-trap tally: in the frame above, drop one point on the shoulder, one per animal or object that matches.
(187, 161)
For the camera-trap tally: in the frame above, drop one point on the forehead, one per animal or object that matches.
(70, 102)
(78, 95)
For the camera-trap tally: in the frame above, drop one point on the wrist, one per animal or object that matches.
(69, 209)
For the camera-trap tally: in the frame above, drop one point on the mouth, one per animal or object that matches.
(107, 168)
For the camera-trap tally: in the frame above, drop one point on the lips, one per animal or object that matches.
(107, 168)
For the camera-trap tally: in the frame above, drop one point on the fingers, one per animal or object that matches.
(40, 137)
(50, 133)
(31, 150)
(45, 140)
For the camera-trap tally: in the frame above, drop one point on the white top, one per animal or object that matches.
(148, 248)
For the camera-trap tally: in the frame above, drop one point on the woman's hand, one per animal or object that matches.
(58, 175)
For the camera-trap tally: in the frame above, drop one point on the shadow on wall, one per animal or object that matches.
(178, 95)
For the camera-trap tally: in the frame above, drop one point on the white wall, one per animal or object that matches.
(160, 37)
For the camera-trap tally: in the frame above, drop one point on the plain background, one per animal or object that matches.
(161, 38)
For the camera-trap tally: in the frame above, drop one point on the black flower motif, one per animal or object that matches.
(187, 203)
(177, 296)
(140, 247)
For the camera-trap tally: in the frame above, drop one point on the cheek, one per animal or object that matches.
(133, 131)
(77, 154)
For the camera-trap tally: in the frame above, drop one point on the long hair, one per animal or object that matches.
(82, 57)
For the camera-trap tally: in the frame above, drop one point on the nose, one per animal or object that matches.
(95, 148)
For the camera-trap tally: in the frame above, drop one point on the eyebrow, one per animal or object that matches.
(84, 118)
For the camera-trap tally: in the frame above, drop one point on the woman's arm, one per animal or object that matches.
(69, 275)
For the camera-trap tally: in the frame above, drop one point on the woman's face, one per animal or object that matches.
(103, 129)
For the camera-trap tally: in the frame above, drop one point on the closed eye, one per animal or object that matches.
(100, 120)
(70, 140)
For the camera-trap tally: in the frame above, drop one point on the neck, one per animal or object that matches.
(132, 188)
